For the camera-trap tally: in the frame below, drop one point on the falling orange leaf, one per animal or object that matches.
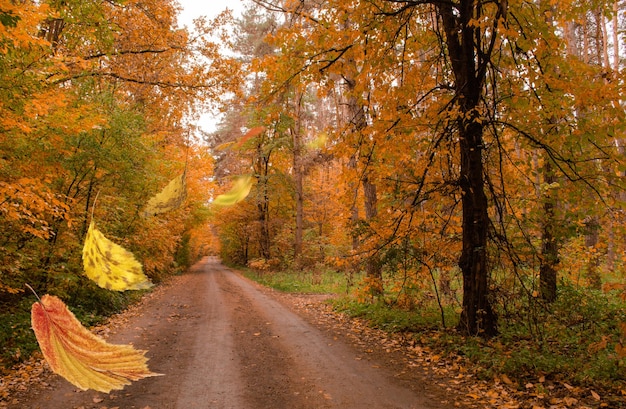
(79, 356)
(250, 134)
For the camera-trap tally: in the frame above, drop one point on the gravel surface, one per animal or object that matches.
(222, 341)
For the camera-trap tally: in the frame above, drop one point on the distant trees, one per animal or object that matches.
(488, 131)
(95, 99)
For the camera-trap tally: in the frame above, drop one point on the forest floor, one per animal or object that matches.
(222, 341)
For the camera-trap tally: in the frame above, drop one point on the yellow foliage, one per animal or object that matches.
(110, 265)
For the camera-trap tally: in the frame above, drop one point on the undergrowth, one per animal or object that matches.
(573, 340)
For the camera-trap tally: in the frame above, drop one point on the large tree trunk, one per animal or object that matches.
(477, 316)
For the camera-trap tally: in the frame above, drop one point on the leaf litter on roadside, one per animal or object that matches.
(452, 372)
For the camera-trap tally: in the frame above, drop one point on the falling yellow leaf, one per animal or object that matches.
(79, 356)
(239, 191)
(319, 142)
(170, 198)
(110, 265)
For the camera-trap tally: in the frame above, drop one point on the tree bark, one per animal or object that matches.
(615, 35)
(373, 266)
(477, 316)
(592, 235)
(262, 164)
(549, 245)
(298, 172)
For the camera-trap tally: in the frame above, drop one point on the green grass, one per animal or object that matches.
(16, 336)
(305, 282)
(382, 315)
(572, 340)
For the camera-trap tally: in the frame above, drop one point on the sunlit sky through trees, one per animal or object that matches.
(192, 9)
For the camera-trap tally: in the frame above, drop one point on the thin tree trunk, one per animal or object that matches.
(549, 244)
(599, 38)
(298, 180)
(263, 204)
(615, 35)
(571, 39)
(592, 235)
(605, 41)
(373, 267)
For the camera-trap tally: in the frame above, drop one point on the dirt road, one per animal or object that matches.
(221, 341)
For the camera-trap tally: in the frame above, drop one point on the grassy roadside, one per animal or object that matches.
(571, 347)
(303, 282)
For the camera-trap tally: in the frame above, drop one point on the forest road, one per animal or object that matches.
(222, 341)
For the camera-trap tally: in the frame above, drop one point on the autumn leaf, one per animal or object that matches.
(224, 146)
(170, 198)
(110, 265)
(250, 134)
(240, 190)
(81, 357)
(319, 142)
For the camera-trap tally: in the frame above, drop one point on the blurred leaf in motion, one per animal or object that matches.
(170, 198)
(239, 191)
(81, 357)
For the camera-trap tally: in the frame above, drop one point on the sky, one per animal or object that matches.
(193, 9)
